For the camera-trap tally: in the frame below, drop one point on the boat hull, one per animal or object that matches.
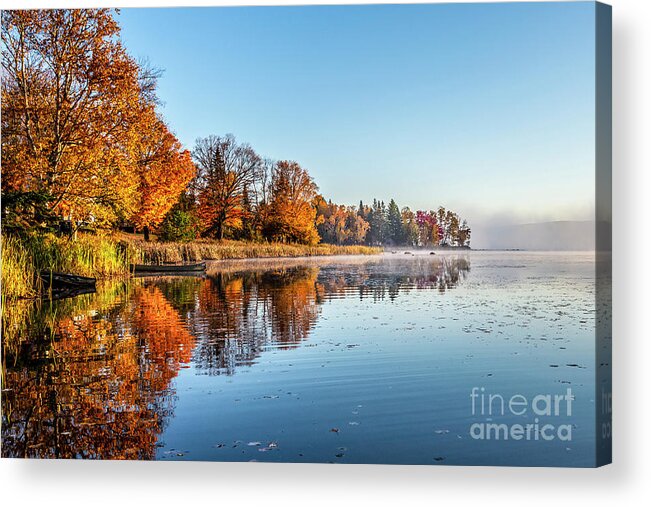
(168, 268)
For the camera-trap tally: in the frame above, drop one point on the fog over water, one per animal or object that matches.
(559, 236)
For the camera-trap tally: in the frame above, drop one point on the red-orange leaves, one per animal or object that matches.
(163, 170)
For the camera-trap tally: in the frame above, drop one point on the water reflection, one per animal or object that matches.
(91, 377)
(239, 313)
(94, 383)
(376, 281)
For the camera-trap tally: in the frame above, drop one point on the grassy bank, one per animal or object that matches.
(88, 255)
(109, 256)
(158, 252)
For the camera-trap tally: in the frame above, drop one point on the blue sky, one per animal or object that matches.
(485, 108)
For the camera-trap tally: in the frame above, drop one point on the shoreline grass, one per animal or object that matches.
(17, 271)
(162, 252)
(109, 256)
(24, 257)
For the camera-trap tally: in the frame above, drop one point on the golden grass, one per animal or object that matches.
(88, 255)
(17, 270)
(159, 252)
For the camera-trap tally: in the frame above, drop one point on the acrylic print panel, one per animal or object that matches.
(343, 234)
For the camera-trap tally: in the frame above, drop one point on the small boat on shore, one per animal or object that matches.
(158, 269)
(65, 285)
(54, 280)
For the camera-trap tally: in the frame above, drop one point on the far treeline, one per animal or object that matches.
(84, 147)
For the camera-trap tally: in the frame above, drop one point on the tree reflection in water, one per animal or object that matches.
(240, 313)
(94, 383)
(390, 278)
(91, 377)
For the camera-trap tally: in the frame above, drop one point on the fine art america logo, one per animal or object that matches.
(540, 410)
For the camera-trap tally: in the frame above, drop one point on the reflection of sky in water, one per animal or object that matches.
(393, 376)
(370, 360)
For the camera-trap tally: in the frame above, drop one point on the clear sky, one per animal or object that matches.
(484, 108)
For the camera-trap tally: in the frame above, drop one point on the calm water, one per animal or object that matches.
(346, 360)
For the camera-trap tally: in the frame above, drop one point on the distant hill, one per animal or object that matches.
(566, 235)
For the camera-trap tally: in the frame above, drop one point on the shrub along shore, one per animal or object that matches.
(109, 256)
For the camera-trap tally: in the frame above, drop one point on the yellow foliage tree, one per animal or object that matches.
(163, 170)
(72, 103)
(291, 215)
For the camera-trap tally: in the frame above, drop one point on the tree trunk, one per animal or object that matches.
(145, 232)
(73, 228)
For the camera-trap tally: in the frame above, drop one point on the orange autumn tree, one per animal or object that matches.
(290, 214)
(226, 170)
(163, 171)
(70, 96)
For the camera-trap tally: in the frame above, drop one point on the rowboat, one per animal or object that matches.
(198, 267)
(65, 285)
(54, 280)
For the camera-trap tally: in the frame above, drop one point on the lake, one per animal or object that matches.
(398, 358)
